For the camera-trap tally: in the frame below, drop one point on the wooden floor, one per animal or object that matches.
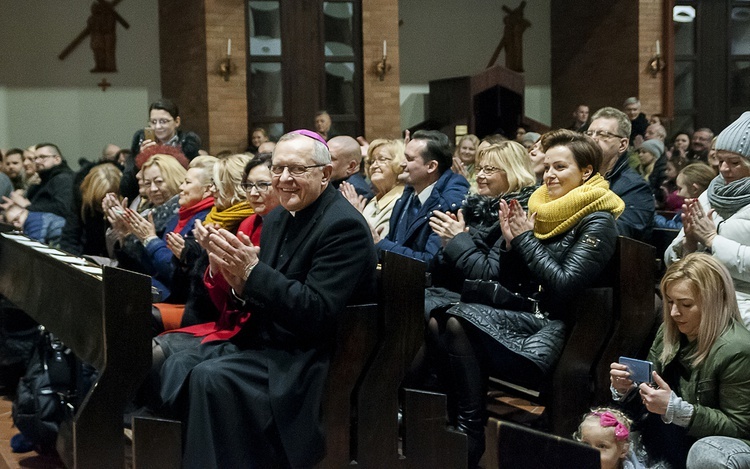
(10, 460)
(508, 407)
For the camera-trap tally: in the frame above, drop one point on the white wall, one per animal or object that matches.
(44, 98)
(450, 38)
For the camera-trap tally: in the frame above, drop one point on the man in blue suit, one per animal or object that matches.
(430, 185)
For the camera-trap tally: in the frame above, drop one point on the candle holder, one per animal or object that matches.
(382, 67)
(226, 67)
(655, 65)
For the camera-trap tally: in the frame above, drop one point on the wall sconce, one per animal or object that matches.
(382, 66)
(226, 67)
(656, 64)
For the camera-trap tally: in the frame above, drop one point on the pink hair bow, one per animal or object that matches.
(607, 419)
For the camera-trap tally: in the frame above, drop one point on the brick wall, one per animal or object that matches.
(382, 112)
(182, 46)
(650, 25)
(194, 41)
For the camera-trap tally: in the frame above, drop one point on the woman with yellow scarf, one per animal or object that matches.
(546, 258)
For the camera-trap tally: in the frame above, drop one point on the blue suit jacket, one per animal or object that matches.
(416, 239)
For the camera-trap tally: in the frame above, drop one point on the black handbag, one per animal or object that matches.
(492, 293)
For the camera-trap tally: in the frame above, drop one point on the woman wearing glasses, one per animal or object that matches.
(385, 158)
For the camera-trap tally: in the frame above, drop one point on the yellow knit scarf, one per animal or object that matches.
(231, 217)
(554, 217)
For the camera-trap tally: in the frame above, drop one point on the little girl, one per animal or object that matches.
(608, 430)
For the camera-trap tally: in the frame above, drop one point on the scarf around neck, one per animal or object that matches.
(554, 217)
(229, 218)
(186, 213)
(727, 199)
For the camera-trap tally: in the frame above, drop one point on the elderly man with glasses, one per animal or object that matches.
(610, 128)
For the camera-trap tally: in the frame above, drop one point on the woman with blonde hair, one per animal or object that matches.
(503, 173)
(697, 415)
(85, 228)
(384, 159)
(230, 206)
(464, 159)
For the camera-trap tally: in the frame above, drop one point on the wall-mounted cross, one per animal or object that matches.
(101, 27)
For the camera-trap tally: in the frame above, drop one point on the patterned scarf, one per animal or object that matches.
(554, 217)
(727, 199)
(229, 218)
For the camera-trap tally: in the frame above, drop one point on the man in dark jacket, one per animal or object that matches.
(346, 158)
(55, 193)
(255, 401)
(610, 128)
(430, 185)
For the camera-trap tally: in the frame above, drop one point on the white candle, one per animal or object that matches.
(384, 48)
(658, 49)
(229, 47)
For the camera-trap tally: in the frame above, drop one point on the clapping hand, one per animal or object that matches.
(140, 227)
(699, 226)
(233, 255)
(175, 243)
(348, 191)
(513, 220)
(447, 225)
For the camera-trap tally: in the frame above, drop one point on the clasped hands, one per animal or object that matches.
(232, 256)
(698, 225)
(656, 399)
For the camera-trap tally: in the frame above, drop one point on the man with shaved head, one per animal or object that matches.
(346, 158)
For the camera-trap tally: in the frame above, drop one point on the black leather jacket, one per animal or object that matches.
(566, 264)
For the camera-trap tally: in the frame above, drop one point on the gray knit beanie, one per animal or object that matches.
(736, 137)
(653, 146)
(530, 137)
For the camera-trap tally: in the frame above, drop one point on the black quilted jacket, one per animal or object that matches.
(565, 265)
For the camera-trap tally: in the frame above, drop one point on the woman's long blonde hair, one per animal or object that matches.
(171, 170)
(101, 180)
(228, 180)
(713, 289)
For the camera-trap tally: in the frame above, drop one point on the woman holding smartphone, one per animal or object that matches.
(162, 128)
(697, 412)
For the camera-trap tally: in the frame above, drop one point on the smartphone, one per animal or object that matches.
(640, 370)
(149, 134)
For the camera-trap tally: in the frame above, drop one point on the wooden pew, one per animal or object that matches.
(105, 321)
(613, 318)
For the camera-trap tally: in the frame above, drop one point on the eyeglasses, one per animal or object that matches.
(295, 170)
(160, 122)
(488, 170)
(383, 160)
(258, 186)
(43, 157)
(602, 134)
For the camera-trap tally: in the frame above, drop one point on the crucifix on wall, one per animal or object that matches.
(101, 27)
(512, 41)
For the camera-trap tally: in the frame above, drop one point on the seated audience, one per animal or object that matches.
(195, 200)
(230, 209)
(691, 182)
(40, 226)
(536, 155)
(580, 118)
(548, 257)
(718, 221)
(29, 168)
(680, 145)
(316, 257)
(258, 137)
(54, 193)
(638, 121)
(13, 167)
(162, 175)
(431, 185)
(474, 236)
(110, 152)
(652, 163)
(697, 414)
(610, 129)
(85, 229)
(529, 139)
(346, 159)
(700, 142)
(712, 160)
(668, 198)
(323, 125)
(385, 157)
(464, 159)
